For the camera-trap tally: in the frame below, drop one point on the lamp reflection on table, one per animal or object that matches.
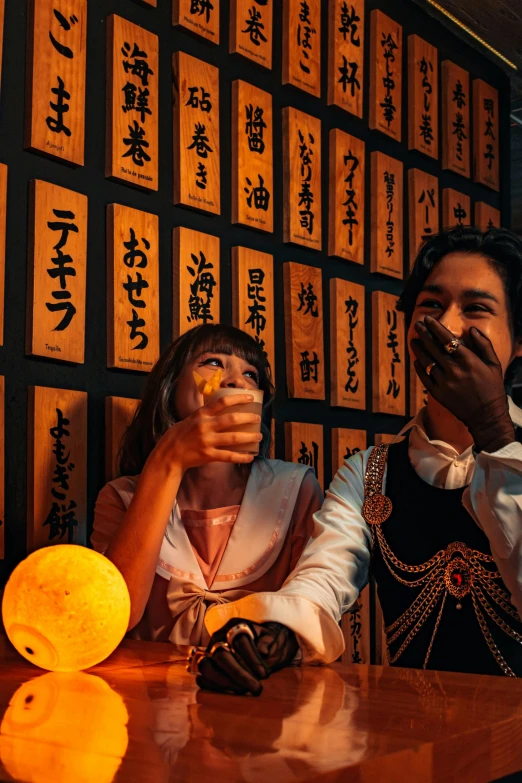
(64, 728)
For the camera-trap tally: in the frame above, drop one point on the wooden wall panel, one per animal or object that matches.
(198, 16)
(383, 437)
(302, 45)
(456, 130)
(456, 209)
(346, 197)
(385, 75)
(423, 209)
(133, 324)
(486, 169)
(55, 78)
(196, 274)
(197, 165)
(346, 55)
(56, 467)
(132, 151)
(119, 413)
(388, 356)
(347, 344)
(304, 444)
(486, 217)
(423, 97)
(57, 265)
(346, 443)
(251, 30)
(386, 215)
(301, 178)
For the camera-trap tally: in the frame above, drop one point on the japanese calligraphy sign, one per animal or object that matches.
(301, 178)
(251, 30)
(387, 216)
(2, 465)
(304, 445)
(486, 217)
(3, 212)
(57, 255)
(198, 16)
(455, 118)
(132, 288)
(346, 443)
(56, 467)
(346, 54)
(423, 97)
(456, 209)
(303, 302)
(196, 134)
(56, 50)
(252, 157)
(347, 344)
(385, 74)
(418, 394)
(355, 626)
(119, 413)
(196, 280)
(302, 44)
(346, 197)
(253, 297)
(132, 104)
(485, 134)
(383, 437)
(423, 209)
(388, 356)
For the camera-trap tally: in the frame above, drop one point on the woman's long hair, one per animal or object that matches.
(156, 413)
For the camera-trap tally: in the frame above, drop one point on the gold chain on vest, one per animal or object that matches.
(456, 571)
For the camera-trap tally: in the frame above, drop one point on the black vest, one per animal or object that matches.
(424, 520)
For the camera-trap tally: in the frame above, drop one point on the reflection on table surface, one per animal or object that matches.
(139, 717)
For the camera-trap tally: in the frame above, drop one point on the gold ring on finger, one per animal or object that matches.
(452, 345)
(238, 629)
(429, 368)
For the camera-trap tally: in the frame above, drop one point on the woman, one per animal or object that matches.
(192, 522)
(437, 515)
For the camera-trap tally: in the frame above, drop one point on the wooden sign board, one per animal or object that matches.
(456, 209)
(302, 45)
(55, 79)
(346, 197)
(251, 30)
(355, 626)
(456, 131)
(153, 3)
(386, 215)
(301, 178)
(485, 135)
(199, 16)
(252, 157)
(303, 308)
(2, 467)
(57, 265)
(304, 445)
(132, 104)
(423, 209)
(486, 217)
(346, 55)
(253, 298)
(383, 437)
(3, 224)
(196, 134)
(423, 97)
(418, 394)
(119, 413)
(56, 467)
(385, 74)
(388, 356)
(196, 276)
(133, 339)
(346, 443)
(347, 344)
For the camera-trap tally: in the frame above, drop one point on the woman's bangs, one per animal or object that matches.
(227, 340)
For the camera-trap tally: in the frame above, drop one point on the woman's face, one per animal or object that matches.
(464, 290)
(236, 373)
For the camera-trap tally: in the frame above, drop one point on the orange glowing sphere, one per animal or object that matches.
(66, 608)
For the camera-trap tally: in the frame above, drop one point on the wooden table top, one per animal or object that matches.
(139, 717)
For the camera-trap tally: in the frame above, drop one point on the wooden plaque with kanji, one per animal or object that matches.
(385, 74)
(485, 135)
(456, 131)
(57, 265)
(196, 280)
(56, 467)
(346, 55)
(196, 134)
(200, 17)
(347, 344)
(423, 97)
(302, 44)
(346, 443)
(55, 78)
(386, 215)
(251, 30)
(301, 178)
(486, 217)
(303, 309)
(423, 209)
(132, 288)
(346, 197)
(132, 104)
(388, 356)
(456, 209)
(253, 297)
(304, 444)
(119, 413)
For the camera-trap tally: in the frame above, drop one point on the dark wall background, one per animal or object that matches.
(21, 371)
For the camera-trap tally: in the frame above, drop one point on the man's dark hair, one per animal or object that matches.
(501, 247)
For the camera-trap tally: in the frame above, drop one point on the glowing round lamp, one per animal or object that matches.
(66, 608)
(61, 728)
